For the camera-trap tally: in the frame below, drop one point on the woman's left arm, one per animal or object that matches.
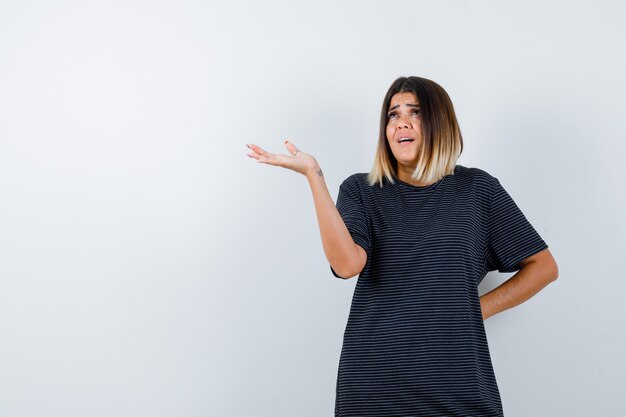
(536, 272)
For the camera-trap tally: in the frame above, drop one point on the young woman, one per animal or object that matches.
(421, 232)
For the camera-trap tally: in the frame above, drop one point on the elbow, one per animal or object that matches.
(353, 264)
(555, 272)
(341, 272)
(548, 265)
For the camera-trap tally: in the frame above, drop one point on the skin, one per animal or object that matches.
(404, 119)
(346, 257)
(297, 160)
(536, 271)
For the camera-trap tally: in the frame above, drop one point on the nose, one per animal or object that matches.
(403, 122)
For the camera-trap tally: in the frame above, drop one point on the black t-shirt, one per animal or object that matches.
(415, 342)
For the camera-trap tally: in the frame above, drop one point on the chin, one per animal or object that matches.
(410, 161)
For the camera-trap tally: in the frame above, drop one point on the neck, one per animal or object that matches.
(404, 174)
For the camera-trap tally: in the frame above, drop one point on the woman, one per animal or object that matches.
(421, 232)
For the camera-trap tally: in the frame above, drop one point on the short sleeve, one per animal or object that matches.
(510, 236)
(352, 210)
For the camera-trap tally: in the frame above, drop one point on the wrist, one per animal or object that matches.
(314, 172)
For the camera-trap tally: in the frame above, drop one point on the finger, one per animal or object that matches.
(271, 159)
(291, 148)
(261, 158)
(258, 150)
(254, 155)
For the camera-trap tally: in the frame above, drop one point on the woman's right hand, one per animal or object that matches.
(298, 161)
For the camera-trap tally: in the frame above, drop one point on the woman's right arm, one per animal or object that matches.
(345, 257)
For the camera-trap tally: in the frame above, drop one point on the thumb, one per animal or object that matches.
(291, 147)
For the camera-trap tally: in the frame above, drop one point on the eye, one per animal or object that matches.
(393, 114)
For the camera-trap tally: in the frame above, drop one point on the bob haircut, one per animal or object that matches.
(442, 142)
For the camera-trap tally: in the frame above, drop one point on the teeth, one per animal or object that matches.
(406, 140)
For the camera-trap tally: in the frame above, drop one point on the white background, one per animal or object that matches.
(148, 267)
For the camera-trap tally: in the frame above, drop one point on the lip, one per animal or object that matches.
(404, 137)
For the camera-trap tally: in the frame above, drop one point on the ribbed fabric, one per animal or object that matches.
(415, 342)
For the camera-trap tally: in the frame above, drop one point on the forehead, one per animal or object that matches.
(402, 99)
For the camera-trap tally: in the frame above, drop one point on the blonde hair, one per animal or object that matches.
(442, 142)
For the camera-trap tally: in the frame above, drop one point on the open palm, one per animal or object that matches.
(297, 160)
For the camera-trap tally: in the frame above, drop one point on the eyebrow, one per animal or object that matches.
(407, 105)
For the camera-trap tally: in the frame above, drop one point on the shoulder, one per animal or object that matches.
(473, 172)
(357, 187)
(476, 175)
(356, 181)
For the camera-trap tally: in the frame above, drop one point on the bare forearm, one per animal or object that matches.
(338, 244)
(527, 282)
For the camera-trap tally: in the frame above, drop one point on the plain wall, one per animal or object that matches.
(148, 267)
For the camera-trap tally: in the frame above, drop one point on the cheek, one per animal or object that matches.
(418, 127)
(389, 132)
